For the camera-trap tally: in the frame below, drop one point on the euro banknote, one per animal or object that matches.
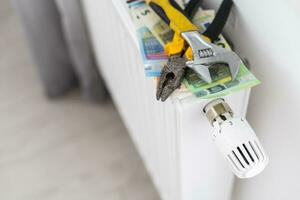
(222, 84)
(152, 35)
(144, 16)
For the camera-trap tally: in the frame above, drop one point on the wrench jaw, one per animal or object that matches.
(234, 66)
(206, 54)
(201, 70)
(228, 57)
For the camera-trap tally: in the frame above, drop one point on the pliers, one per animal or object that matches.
(173, 72)
(187, 44)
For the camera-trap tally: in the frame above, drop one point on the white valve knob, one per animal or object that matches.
(236, 140)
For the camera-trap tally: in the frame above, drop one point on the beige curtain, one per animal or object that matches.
(59, 44)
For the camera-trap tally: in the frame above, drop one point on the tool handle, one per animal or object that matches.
(172, 14)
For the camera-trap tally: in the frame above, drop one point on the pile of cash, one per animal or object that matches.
(153, 34)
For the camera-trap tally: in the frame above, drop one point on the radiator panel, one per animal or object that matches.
(172, 137)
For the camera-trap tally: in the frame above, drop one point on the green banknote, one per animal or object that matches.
(222, 84)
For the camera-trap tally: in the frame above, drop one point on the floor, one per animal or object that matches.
(65, 149)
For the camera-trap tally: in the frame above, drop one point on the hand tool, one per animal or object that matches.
(173, 72)
(200, 54)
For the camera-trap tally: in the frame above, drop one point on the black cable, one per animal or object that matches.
(214, 29)
(192, 8)
(217, 25)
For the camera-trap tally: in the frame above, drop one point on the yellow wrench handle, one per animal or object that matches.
(172, 15)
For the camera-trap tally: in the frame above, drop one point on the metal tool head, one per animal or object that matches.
(171, 77)
(207, 54)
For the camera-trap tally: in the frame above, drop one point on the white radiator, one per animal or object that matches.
(173, 138)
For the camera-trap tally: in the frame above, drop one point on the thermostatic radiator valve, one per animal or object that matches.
(236, 140)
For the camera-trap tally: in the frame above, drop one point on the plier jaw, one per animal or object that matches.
(171, 77)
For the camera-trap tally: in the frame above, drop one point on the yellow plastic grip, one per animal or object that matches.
(178, 22)
(176, 46)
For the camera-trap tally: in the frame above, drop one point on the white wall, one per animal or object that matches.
(267, 33)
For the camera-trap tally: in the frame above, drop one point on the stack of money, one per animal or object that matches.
(153, 34)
